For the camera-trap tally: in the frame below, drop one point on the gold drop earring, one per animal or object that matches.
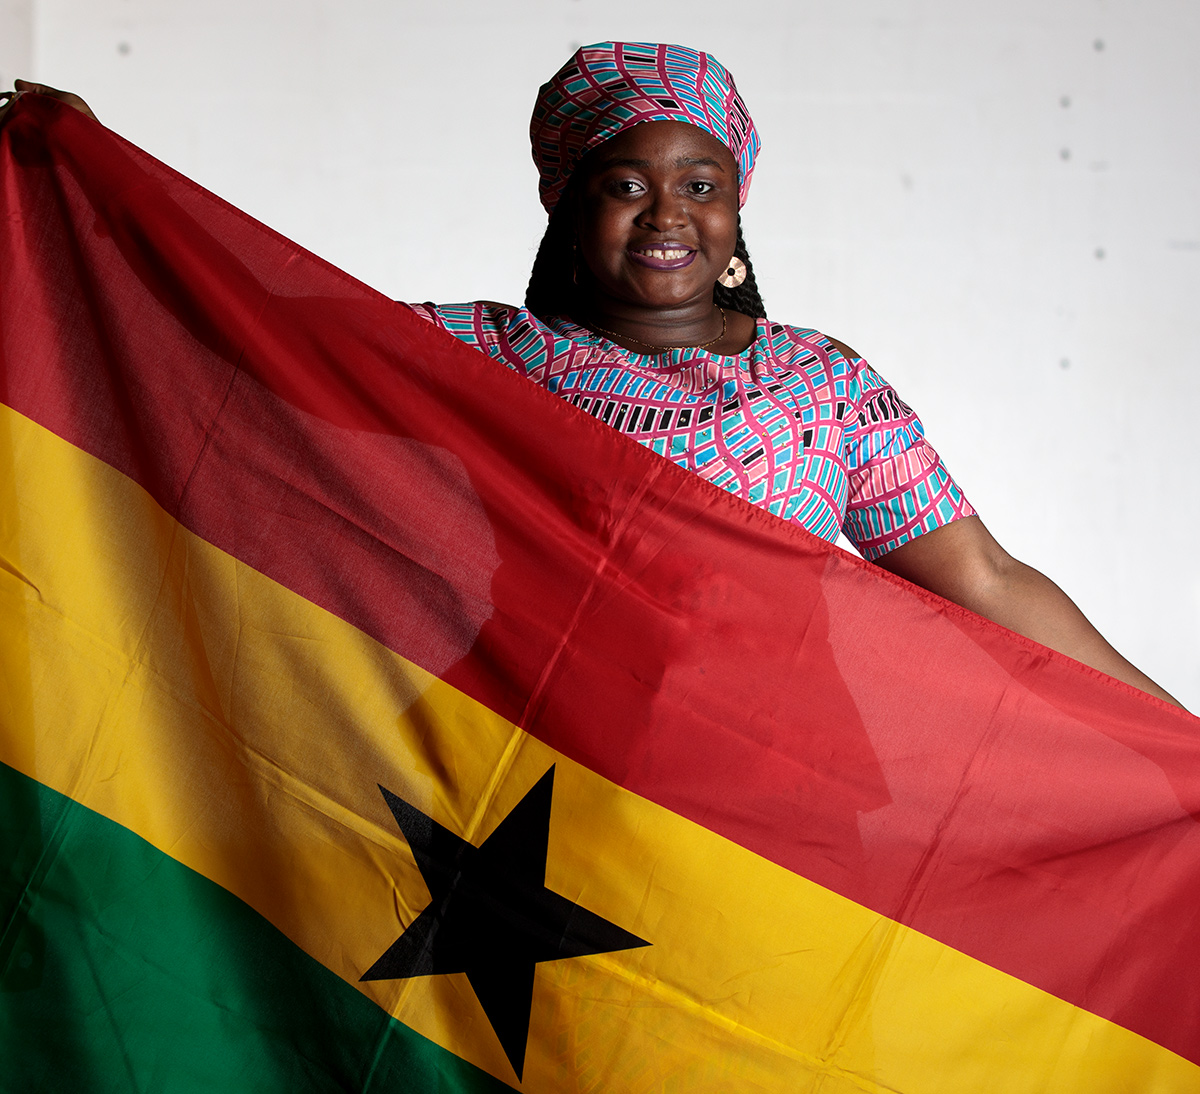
(734, 275)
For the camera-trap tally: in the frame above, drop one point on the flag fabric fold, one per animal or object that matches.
(374, 720)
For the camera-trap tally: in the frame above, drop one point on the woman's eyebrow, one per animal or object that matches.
(624, 163)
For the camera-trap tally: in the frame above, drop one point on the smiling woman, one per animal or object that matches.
(642, 311)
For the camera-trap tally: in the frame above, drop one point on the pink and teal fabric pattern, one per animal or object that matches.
(610, 86)
(790, 424)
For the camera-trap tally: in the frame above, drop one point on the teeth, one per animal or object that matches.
(653, 252)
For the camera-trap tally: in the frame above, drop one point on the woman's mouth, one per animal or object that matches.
(670, 256)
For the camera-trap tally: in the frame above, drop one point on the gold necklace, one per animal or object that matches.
(665, 349)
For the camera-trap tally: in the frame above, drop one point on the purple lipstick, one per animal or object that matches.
(663, 256)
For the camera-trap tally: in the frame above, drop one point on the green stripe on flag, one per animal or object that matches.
(122, 970)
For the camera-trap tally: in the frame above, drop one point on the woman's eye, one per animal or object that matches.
(625, 187)
(701, 186)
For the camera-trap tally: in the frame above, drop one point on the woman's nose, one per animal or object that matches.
(664, 210)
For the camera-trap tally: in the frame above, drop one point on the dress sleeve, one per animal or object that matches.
(475, 322)
(898, 486)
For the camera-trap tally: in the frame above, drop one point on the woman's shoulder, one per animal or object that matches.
(821, 356)
(781, 335)
(507, 333)
(476, 322)
(490, 312)
(831, 366)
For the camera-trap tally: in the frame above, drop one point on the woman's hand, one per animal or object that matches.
(24, 86)
(962, 562)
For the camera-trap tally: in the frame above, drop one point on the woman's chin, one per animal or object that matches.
(665, 295)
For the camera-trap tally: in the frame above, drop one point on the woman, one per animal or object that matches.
(642, 310)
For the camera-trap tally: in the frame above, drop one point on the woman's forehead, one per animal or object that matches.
(662, 143)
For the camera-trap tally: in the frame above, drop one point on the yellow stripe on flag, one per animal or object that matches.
(243, 731)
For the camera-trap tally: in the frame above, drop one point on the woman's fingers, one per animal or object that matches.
(66, 97)
(69, 98)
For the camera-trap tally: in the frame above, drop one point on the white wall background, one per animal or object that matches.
(998, 204)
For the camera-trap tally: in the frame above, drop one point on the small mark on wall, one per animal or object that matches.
(123, 48)
(1064, 363)
(1099, 252)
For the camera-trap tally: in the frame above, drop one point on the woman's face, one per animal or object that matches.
(657, 216)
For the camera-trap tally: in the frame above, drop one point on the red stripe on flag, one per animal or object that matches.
(699, 652)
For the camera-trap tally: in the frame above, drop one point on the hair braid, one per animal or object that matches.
(745, 297)
(552, 281)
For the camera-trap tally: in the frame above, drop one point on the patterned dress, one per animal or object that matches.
(790, 424)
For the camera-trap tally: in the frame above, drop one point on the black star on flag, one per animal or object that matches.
(491, 915)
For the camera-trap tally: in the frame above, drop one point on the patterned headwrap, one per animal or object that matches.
(614, 85)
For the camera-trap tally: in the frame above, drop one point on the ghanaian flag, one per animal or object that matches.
(373, 720)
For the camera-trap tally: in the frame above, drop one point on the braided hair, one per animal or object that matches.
(557, 283)
(745, 297)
